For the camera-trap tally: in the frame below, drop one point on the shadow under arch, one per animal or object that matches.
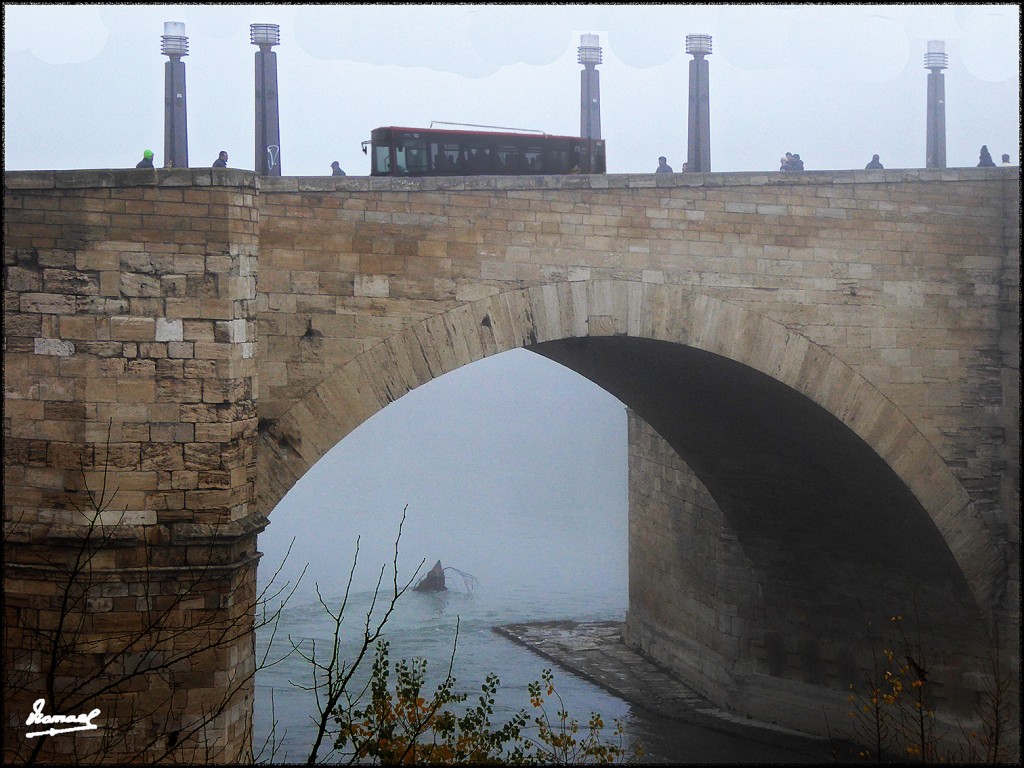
(632, 338)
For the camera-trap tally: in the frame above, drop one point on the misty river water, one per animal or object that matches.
(424, 625)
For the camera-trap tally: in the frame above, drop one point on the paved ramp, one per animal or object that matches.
(595, 651)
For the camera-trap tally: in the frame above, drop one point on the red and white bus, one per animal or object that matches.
(434, 152)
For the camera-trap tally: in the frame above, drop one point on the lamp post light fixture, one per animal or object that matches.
(590, 87)
(174, 45)
(268, 124)
(698, 144)
(698, 45)
(935, 60)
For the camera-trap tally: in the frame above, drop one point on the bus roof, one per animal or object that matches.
(477, 133)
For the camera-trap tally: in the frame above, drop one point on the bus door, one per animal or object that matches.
(411, 156)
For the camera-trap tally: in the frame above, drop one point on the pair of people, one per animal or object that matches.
(147, 160)
(664, 167)
(985, 159)
(791, 162)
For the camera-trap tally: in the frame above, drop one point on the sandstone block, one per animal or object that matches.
(57, 347)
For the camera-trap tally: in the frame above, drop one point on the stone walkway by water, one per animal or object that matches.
(595, 652)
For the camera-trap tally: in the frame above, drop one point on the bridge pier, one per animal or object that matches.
(726, 609)
(129, 473)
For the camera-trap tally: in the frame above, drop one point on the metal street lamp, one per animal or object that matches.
(698, 145)
(265, 34)
(935, 60)
(590, 87)
(268, 124)
(698, 45)
(174, 45)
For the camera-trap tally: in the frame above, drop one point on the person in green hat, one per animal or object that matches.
(147, 159)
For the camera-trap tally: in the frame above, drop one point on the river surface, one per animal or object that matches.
(424, 626)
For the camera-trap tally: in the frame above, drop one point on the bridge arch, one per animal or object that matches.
(547, 318)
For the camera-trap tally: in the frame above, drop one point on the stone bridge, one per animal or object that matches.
(821, 372)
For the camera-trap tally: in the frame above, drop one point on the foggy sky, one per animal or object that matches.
(512, 469)
(84, 84)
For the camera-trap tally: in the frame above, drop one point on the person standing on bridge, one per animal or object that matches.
(336, 169)
(874, 163)
(791, 162)
(985, 159)
(222, 160)
(147, 160)
(663, 166)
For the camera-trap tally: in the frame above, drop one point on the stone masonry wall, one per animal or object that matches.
(687, 570)
(132, 305)
(129, 460)
(731, 622)
(901, 274)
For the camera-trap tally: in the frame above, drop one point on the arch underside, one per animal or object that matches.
(799, 451)
(829, 540)
(806, 496)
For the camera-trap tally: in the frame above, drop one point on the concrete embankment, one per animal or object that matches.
(691, 729)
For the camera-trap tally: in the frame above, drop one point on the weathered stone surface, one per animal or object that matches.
(105, 361)
(889, 302)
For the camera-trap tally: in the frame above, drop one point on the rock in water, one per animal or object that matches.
(433, 581)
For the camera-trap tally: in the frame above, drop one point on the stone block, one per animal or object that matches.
(21, 279)
(57, 347)
(181, 349)
(168, 330)
(47, 303)
(371, 286)
(132, 328)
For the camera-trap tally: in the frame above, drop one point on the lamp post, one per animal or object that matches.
(590, 87)
(698, 145)
(935, 145)
(268, 125)
(174, 45)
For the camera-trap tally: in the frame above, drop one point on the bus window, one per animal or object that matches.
(557, 161)
(508, 159)
(532, 160)
(448, 158)
(597, 161)
(438, 159)
(382, 159)
(478, 160)
(579, 159)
